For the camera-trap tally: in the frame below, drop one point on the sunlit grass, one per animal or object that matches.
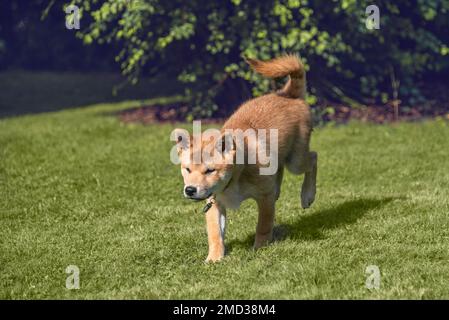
(79, 188)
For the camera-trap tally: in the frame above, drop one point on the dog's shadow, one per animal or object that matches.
(311, 227)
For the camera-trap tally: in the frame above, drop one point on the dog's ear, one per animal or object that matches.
(225, 144)
(182, 139)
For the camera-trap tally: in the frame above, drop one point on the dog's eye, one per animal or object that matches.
(188, 170)
(209, 171)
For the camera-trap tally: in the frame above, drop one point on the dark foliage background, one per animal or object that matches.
(201, 43)
(33, 36)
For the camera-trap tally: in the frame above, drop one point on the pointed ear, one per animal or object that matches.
(182, 139)
(225, 143)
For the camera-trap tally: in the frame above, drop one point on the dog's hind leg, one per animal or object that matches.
(308, 189)
(300, 161)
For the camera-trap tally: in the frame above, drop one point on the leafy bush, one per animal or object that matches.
(201, 42)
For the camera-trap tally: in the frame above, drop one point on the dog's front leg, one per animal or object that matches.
(264, 230)
(216, 220)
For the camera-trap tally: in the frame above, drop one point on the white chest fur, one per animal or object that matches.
(231, 198)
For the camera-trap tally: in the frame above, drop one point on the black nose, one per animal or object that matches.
(190, 191)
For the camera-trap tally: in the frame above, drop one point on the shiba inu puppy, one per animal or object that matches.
(227, 183)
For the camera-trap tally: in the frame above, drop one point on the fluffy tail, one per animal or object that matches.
(281, 67)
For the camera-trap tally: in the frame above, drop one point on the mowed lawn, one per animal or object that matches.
(80, 188)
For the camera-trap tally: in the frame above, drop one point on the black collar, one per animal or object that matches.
(212, 198)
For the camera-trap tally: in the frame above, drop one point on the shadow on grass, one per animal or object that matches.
(311, 227)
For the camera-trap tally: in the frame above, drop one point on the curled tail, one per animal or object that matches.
(281, 67)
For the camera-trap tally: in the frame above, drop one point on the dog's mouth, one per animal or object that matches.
(199, 198)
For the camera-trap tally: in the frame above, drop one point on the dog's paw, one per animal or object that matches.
(262, 240)
(215, 255)
(213, 258)
(307, 197)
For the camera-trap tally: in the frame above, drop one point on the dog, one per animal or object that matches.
(227, 183)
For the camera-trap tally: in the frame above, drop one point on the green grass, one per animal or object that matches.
(78, 187)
